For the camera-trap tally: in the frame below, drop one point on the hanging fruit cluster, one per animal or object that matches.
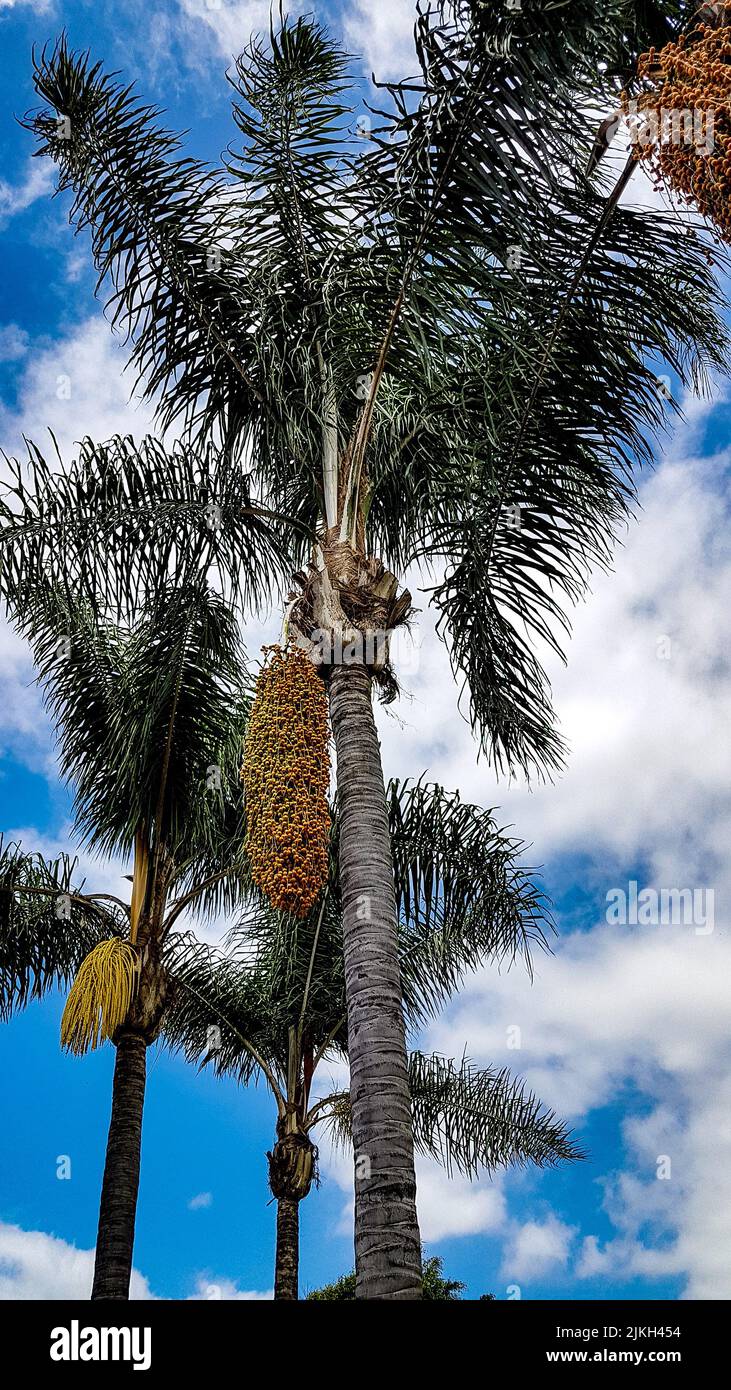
(687, 131)
(286, 774)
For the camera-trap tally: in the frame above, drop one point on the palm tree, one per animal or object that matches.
(149, 717)
(273, 1007)
(437, 346)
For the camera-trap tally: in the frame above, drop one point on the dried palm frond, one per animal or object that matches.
(139, 882)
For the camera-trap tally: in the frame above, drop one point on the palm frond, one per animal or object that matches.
(144, 714)
(470, 1119)
(161, 237)
(507, 259)
(48, 924)
(456, 335)
(462, 894)
(220, 1013)
(122, 518)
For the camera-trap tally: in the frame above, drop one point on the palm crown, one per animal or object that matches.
(393, 336)
(149, 717)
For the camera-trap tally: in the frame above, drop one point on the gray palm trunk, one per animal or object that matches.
(387, 1242)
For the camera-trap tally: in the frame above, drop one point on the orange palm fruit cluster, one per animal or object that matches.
(688, 89)
(286, 775)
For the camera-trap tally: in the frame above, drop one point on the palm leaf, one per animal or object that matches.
(472, 1119)
(461, 893)
(48, 924)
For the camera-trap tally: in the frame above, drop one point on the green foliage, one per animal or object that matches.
(283, 977)
(154, 219)
(48, 924)
(435, 1285)
(461, 891)
(120, 519)
(472, 1119)
(507, 403)
(142, 711)
(144, 678)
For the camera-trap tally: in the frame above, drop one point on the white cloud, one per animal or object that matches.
(536, 1249)
(40, 6)
(216, 1289)
(75, 387)
(649, 1006)
(200, 1201)
(455, 1206)
(383, 35)
(76, 263)
(34, 1265)
(98, 875)
(24, 728)
(13, 342)
(229, 23)
(37, 183)
(691, 1199)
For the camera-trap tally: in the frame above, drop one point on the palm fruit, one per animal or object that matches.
(286, 775)
(685, 102)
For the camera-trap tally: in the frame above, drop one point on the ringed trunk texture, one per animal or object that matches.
(286, 1270)
(118, 1207)
(387, 1243)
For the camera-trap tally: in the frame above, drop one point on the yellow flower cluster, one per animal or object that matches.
(690, 86)
(286, 774)
(100, 997)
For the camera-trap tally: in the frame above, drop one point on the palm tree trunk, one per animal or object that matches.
(286, 1269)
(118, 1206)
(387, 1243)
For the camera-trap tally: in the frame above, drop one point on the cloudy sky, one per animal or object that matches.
(624, 1028)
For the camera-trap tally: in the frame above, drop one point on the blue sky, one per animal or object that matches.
(624, 1030)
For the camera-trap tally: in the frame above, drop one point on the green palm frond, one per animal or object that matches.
(461, 892)
(122, 517)
(161, 233)
(145, 715)
(293, 106)
(221, 1013)
(299, 961)
(517, 474)
(472, 1119)
(48, 924)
